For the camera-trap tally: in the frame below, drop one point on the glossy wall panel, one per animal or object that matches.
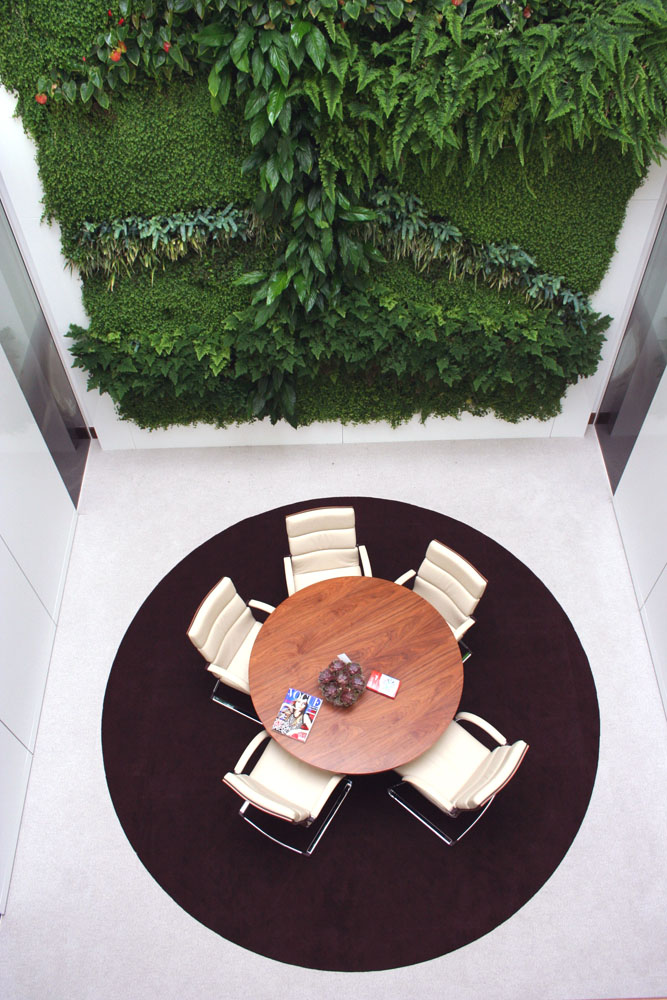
(640, 500)
(639, 365)
(654, 615)
(36, 514)
(27, 639)
(641, 510)
(37, 520)
(30, 349)
(15, 763)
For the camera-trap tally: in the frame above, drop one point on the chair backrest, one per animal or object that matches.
(491, 775)
(221, 623)
(450, 583)
(321, 539)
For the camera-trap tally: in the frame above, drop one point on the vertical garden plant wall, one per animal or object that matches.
(335, 210)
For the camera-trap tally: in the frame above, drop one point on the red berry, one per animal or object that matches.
(84, 58)
(41, 98)
(166, 46)
(109, 13)
(115, 55)
(527, 11)
(122, 20)
(457, 3)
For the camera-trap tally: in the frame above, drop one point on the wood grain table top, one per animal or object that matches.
(382, 626)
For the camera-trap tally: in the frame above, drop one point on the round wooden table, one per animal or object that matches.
(382, 626)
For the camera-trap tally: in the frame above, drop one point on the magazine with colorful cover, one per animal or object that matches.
(297, 714)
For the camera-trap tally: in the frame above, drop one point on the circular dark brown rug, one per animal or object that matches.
(380, 891)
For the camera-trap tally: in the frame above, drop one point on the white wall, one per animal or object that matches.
(616, 295)
(37, 520)
(641, 512)
(59, 293)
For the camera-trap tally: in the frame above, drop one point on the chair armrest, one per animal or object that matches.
(327, 791)
(463, 628)
(289, 575)
(229, 679)
(218, 672)
(486, 726)
(405, 577)
(365, 561)
(249, 751)
(261, 606)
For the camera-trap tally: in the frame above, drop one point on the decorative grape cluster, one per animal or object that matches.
(342, 683)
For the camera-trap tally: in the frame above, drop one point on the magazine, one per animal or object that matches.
(297, 714)
(383, 684)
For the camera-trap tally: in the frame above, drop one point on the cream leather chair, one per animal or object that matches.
(286, 788)
(323, 544)
(459, 774)
(224, 630)
(450, 583)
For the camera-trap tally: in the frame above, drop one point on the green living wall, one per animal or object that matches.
(334, 210)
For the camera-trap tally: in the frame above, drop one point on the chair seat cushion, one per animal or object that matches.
(297, 790)
(445, 768)
(302, 580)
(313, 562)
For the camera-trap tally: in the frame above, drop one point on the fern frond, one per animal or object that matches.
(406, 124)
(362, 112)
(338, 65)
(311, 88)
(326, 17)
(387, 98)
(423, 32)
(434, 121)
(332, 90)
(366, 74)
(474, 126)
(328, 173)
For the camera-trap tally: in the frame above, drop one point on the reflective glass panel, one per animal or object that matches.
(26, 340)
(638, 367)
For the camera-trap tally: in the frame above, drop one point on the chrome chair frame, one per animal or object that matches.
(220, 699)
(477, 814)
(256, 817)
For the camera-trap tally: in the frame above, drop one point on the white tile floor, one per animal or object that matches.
(84, 918)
